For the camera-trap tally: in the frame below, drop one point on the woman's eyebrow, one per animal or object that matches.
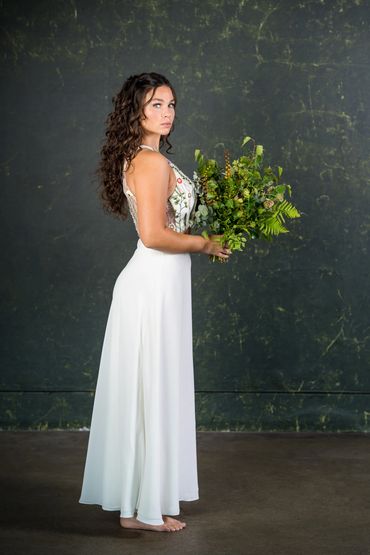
(161, 99)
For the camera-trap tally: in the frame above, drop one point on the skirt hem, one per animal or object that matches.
(130, 514)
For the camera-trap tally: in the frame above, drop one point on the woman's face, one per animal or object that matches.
(160, 112)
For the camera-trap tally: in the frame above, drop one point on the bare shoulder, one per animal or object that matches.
(152, 175)
(150, 162)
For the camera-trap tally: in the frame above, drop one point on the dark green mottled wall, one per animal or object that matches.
(281, 333)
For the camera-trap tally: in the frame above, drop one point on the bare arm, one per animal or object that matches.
(151, 188)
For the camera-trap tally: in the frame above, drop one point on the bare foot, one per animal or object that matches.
(176, 524)
(170, 524)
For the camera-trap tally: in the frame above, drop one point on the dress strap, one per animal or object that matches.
(151, 148)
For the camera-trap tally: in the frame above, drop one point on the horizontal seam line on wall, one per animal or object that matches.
(234, 391)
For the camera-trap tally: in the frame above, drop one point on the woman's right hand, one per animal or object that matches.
(215, 248)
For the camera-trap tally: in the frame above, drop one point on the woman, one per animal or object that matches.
(141, 453)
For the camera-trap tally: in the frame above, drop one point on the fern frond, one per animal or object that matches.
(273, 226)
(288, 209)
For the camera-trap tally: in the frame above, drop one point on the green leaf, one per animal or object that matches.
(288, 209)
(272, 226)
(245, 140)
(198, 156)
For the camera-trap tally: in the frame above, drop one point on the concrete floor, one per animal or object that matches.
(267, 494)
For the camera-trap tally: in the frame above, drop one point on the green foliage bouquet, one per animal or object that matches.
(242, 200)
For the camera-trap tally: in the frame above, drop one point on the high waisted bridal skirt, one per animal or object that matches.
(141, 452)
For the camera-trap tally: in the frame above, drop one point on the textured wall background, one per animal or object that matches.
(282, 334)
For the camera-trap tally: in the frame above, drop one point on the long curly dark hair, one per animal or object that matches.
(124, 134)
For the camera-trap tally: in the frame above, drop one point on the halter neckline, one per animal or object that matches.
(151, 148)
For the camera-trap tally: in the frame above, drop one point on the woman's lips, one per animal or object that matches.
(167, 124)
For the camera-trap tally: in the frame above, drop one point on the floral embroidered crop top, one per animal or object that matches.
(181, 204)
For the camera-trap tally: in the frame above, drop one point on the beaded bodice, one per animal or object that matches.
(181, 203)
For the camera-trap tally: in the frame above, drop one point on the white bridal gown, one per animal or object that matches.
(141, 452)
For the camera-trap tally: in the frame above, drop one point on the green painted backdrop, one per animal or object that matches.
(281, 333)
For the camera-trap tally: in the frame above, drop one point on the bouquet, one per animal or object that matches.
(242, 200)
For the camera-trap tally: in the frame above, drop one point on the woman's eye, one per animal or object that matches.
(157, 104)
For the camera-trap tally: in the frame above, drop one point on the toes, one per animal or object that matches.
(173, 525)
(167, 528)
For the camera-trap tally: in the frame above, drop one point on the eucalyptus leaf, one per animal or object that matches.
(203, 210)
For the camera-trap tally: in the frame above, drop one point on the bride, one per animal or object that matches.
(141, 457)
